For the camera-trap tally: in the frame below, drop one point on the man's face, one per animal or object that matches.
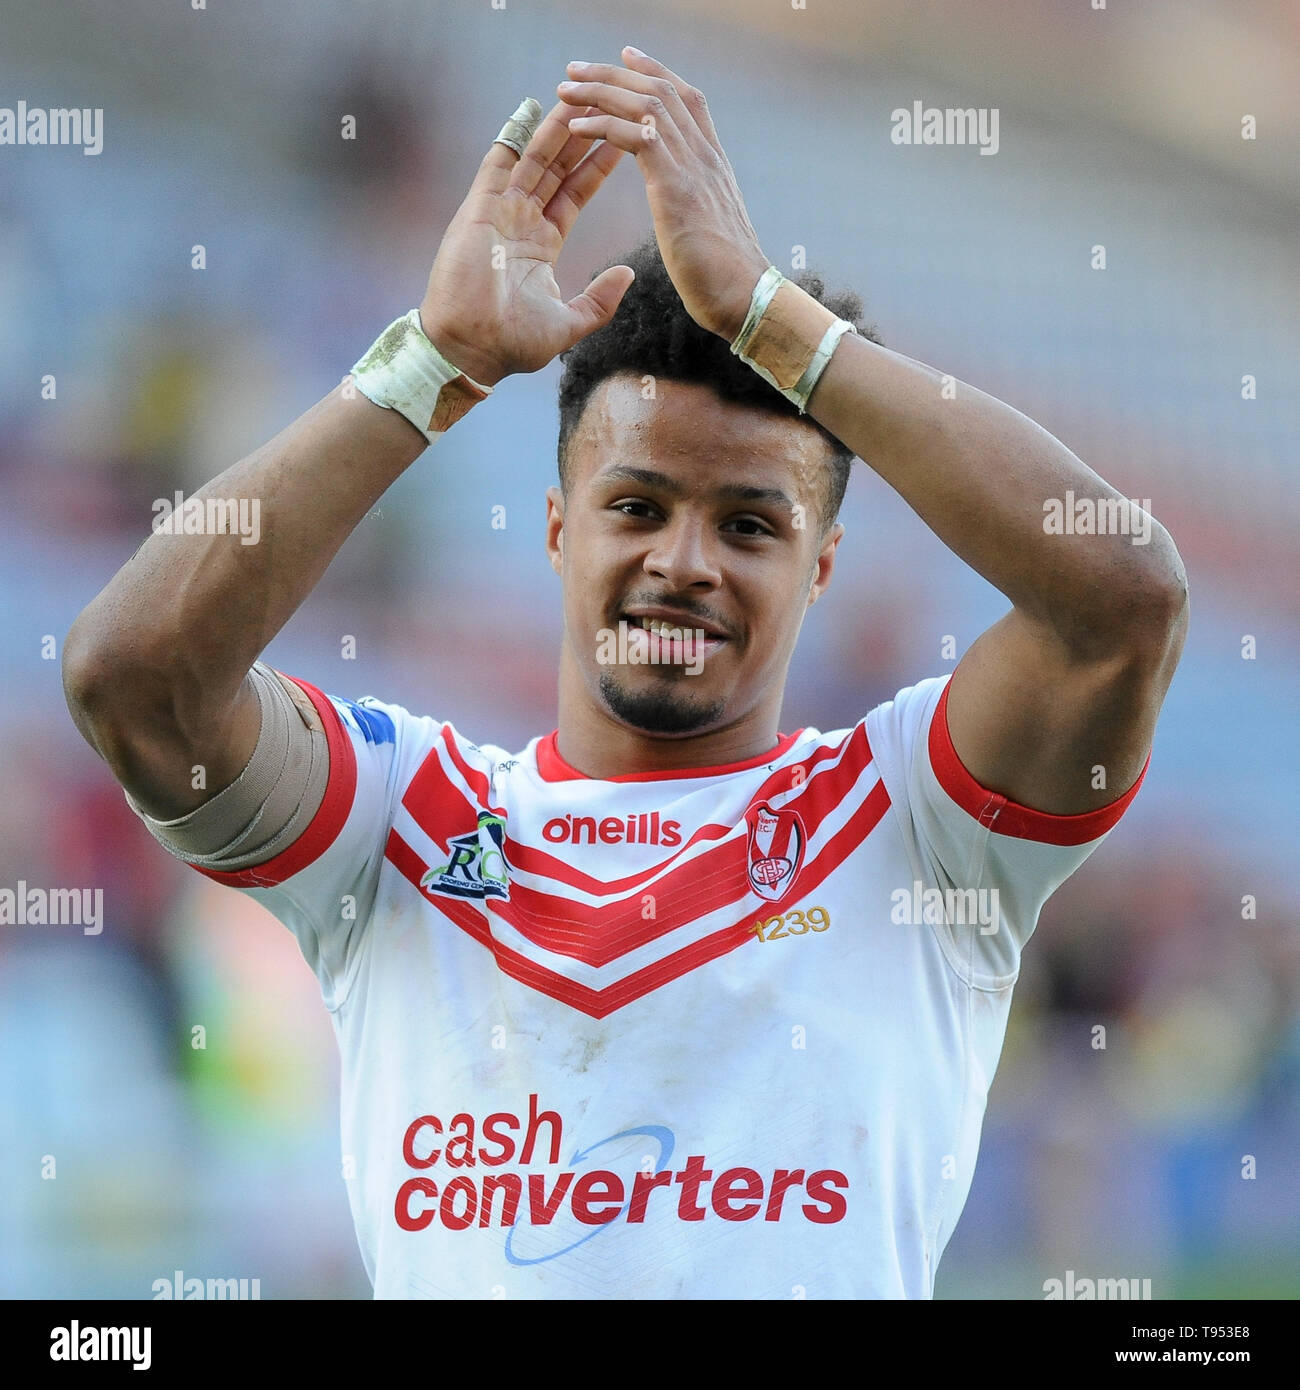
(705, 515)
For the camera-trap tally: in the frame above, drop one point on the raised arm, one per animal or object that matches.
(156, 667)
(1054, 706)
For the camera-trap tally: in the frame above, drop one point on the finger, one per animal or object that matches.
(568, 158)
(499, 162)
(596, 305)
(692, 98)
(639, 107)
(662, 99)
(632, 136)
(552, 145)
(580, 187)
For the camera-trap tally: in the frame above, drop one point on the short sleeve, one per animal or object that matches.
(323, 886)
(994, 861)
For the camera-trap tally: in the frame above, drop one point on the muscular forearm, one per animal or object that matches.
(978, 473)
(155, 666)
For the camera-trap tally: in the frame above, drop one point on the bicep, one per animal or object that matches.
(1034, 722)
(273, 799)
(169, 770)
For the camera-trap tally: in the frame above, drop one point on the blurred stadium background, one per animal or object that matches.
(1119, 127)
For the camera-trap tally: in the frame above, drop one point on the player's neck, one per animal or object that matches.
(591, 741)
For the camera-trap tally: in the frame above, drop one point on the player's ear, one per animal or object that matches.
(825, 564)
(555, 528)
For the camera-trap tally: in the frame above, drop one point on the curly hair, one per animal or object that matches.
(651, 334)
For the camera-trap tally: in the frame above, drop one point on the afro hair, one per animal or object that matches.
(651, 334)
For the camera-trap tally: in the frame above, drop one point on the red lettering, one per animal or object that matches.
(464, 1141)
(541, 1208)
(402, 1207)
(642, 1186)
(597, 1197)
(512, 1185)
(584, 1196)
(491, 1126)
(836, 1205)
(690, 1178)
(447, 1209)
(535, 1121)
(408, 1142)
(639, 829)
(781, 1179)
(733, 1184)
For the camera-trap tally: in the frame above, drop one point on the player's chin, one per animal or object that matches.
(661, 701)
(699, 682)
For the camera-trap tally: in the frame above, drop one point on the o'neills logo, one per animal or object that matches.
(613, 830)
(776, 846)
(455, 1197)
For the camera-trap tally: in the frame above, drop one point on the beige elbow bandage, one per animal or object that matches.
(268, 806)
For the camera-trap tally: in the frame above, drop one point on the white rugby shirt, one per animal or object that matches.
(718, 1033)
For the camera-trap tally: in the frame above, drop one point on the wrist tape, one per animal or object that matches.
(403, 371)
(788, 337)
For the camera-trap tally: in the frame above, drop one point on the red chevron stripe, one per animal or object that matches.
(534, 860)
(597, 935)
(431, 793)
(465, 915)
(435, 802)
(599, 1003)
(476, 779)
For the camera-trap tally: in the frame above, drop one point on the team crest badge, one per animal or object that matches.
(776, 848)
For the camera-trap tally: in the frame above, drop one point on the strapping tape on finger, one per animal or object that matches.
(520, 128)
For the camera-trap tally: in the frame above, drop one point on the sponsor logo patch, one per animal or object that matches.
(476, 865)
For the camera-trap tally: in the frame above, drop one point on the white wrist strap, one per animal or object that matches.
(403, 371)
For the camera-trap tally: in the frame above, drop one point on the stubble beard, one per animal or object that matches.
(661, 709)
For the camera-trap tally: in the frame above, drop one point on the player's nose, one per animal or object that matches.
(684, 554)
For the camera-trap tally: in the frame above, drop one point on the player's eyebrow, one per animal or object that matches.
(727, 492)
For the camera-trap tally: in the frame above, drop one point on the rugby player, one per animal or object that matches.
(670, 1003)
